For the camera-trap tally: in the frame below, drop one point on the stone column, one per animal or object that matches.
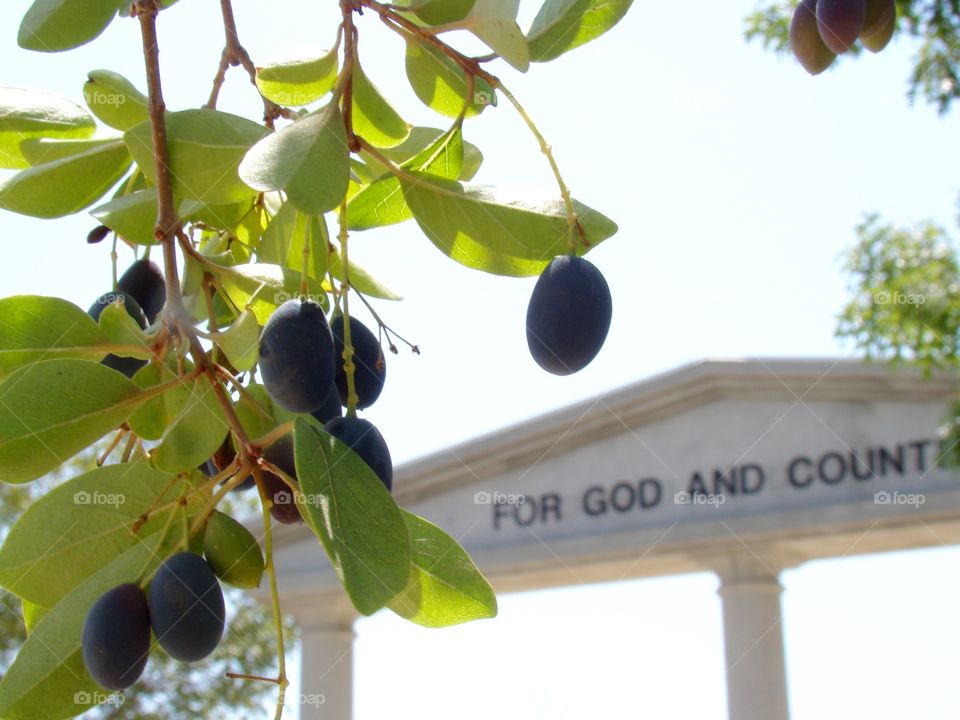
(750, 590)
(326, 657)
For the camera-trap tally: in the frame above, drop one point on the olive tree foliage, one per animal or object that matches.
(241, 215)
(932, 25)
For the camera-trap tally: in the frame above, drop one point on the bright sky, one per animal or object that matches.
(736, 180)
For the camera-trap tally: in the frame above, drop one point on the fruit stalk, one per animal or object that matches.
(266, 502)
(573, 222)
(348, 366)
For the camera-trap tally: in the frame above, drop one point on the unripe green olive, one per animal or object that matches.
(232, 551)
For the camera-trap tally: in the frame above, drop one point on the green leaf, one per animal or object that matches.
(38, 151)
(65, 186)
(122, 329)
(420, 139)
(440, 83)
(275, 244)
(309, 160)
(133, 217)
(115, 100)
(35, 328)
(495, 22)
(56, 25)
(241, 341)
(48, 679)
(255, 411)
(82, 525)
(264, 287)
(440, 12)
(373, 117)
(293, 83)
(491, 230)
(33, 114)
(445, 586)
(152, 418)
(206, 146)
(32, 614)
(354, 516)
(381, 202)
(361, 279)
(562, 25)
(196, 432)
(217, 215)
(53, 409)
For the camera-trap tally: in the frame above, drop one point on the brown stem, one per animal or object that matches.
(235, 54)
(168, 222)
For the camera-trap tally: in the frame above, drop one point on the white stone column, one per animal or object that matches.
(326, 657)
(750, 590)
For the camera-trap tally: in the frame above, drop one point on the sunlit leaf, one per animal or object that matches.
(206, 147)
(354, 516)
(562, 25)
(292, 83)
(65, 186)
(309, 160)
(497, 230)
(34, 114)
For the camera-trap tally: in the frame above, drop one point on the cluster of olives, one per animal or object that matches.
(303, 369)
(183, 606)
(568, 316)
(142, 291)
(822, 29)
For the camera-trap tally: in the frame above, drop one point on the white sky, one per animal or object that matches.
(736, 180)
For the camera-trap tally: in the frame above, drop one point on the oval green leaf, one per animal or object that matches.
(309, 160)
(374, 119)
(354, 516)
(440, 83)
(115, 100)
(52, 409)
(68, 185)
(206, 147)
(492, 230)
(133, 217)
(35, 328)
(56, 25)
(562, 25)
(445, 586)
(195, 433)
(80, 526)
(294, 83)
(33, 114)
